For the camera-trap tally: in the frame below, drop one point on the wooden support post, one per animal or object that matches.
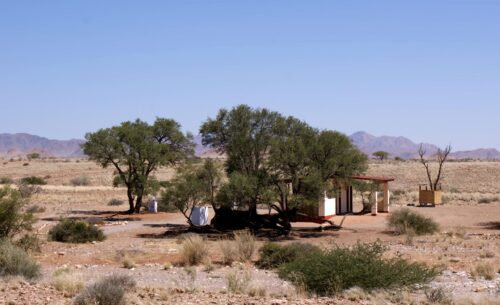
(387, 198)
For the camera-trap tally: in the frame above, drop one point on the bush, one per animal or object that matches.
(80, 181)
(35, 209)
(6, 180)
(245, 245)
(404, 221)
(115, 202)
(27, 190)
(165, 205)
(30, 243)
(330, 272)
(71, 231)
(273, 255)
(12, 219)
(32, 156)
(229, 252)
(194, 250)
(237, 282)
(15, 261)
(66, 280)
(107, 291)
(486, 270)
(438, 296)
(33, 180)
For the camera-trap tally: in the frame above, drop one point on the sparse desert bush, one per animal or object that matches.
(33, 156)
(273, 255)
(488, 199)
(6, 180)
(12, 220)
(27, 190)
(107, 291)
(66, 280)
(30, 243)
(257, 291)
(237, 282)
(404, 220)
(115, 202)
(484, 269)
(15, 261)
(245, 245)
(72, 231)
(241, 249)
(229, 252)
(80, 181)
(194, 250)
(35, 209)
(438, 296)
(128, 263)
(330, 272)
(33, 180)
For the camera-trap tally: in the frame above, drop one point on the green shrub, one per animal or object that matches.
(404, 220)
(6, 180)
(80, 181)
(273, 255)
(15, 261)
(12, 220)
(330, 272)
(33, 180)
(71, 231)
(166, 205)
(107, 291)
(32, 156)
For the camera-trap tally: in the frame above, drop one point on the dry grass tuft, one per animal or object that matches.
(66, 280)
(484, 269)
(194, 250)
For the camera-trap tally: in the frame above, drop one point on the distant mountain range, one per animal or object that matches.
(405, 148)
(20, 144)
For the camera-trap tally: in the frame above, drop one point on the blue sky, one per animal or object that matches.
(427, 70)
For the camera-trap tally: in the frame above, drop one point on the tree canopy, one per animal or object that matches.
(136, 149)
(267, 153)
(381, 155)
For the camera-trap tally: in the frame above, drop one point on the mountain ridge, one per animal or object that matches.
(21, 144)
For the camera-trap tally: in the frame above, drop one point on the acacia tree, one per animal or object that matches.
(192, 186)
(381, 155)
(441, 156)
(136, 149)
(244, 135)
(267, 152)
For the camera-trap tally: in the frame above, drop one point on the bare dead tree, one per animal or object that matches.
(441, 156)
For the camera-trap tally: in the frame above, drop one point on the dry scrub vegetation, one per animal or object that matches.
(164, 265)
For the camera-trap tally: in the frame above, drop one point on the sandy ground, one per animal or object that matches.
(470, 234)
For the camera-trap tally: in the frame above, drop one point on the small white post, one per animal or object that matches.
(374, 203)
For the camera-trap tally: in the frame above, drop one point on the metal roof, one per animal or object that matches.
(373, 178)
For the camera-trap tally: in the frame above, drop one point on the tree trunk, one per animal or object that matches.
(130, 201)
(138, 203)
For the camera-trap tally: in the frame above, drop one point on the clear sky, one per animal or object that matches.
(427, 70)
